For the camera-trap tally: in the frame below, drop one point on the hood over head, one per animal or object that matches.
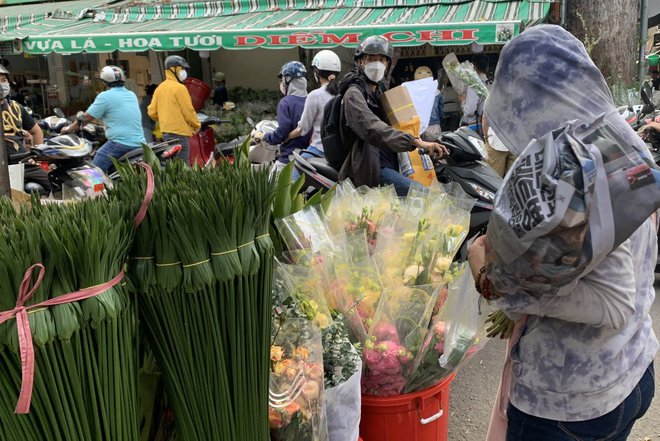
(545, 78)
(297, 87)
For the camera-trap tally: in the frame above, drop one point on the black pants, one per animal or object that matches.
(36, 174)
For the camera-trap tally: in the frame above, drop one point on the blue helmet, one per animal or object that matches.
(291, 70)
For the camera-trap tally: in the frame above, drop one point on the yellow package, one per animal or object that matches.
(413, 165)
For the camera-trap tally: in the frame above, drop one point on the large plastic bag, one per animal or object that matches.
(343, 405)
(569, 200)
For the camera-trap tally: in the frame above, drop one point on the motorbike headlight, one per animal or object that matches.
(484, 193)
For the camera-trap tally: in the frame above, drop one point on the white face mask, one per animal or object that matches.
(375, 71)
(183, 74)
(4, 90)
(282, 88)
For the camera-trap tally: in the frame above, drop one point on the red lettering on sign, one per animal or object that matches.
(350, 38)
(400, 36)
(250, 40)
(300, 39)
(426, 36)
(276, 39)
(463, 34)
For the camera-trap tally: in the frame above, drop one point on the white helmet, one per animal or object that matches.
(327, 60)
(112, 74)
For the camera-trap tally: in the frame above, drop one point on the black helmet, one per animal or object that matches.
(174, 61)
(375, 45)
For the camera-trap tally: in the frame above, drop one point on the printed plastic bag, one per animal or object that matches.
(343, 404)
(569, 200)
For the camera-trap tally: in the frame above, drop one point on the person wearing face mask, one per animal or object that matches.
(119, 109)
(293, 85)
(172, 106)
(16, 122)
(374, 144)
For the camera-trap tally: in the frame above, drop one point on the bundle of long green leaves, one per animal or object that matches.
(85, 382)
(202, 264)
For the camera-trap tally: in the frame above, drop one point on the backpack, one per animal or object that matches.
(333, 146)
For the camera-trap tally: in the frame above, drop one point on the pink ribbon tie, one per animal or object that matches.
(25, 344)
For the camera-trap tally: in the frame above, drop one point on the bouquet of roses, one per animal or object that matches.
(341, 360)
(295, 394)
(385, 264)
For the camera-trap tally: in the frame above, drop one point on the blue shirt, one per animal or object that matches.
(119, 109)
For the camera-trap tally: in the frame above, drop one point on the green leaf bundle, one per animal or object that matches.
(85, 383)
(206, 313)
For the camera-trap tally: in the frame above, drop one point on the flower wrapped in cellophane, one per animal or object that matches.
(457, 332)
(295, 393)
(385, 264)
(463, 76)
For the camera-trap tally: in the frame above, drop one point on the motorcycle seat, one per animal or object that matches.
(132, 154)
(322, 166)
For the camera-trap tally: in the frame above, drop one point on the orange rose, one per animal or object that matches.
(311, 391)
(301, 353)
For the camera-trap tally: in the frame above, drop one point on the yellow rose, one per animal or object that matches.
(276, 353)
(322, 321)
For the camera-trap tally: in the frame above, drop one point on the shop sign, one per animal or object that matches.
(414, 35)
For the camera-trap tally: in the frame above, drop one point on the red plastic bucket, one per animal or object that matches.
(199, 91)
(419, 416)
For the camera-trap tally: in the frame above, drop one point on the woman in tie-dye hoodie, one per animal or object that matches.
(582, 367)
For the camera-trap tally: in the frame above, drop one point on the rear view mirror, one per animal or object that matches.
(646, 92)
(250, 121)
(58, 112)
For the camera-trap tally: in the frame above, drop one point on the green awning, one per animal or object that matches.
(15, 17)
(163, 27)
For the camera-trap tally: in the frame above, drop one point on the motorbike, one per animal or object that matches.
(202, 144)
(69, 173)
(164, 151)
(53, 125)
(259, 153)
(463, 165)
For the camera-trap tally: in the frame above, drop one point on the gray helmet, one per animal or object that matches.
(175, 60)
(375, 45)
(3, 70)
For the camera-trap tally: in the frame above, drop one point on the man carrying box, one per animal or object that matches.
(374, 144)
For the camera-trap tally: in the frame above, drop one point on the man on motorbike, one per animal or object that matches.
(374, 143)
(172, 106)
(16, 122)
(119, 109)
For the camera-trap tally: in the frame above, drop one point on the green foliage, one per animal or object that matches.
(256, 104)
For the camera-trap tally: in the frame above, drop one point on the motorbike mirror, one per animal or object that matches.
(57, 111)
(646, 91)
(250, 121)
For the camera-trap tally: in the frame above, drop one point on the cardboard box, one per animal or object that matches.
(398, 105)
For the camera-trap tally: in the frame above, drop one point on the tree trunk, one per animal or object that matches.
(610, 34)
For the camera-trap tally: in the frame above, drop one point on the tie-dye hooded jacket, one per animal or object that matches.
(583, 351)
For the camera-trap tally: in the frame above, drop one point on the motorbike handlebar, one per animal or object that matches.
(17, 157)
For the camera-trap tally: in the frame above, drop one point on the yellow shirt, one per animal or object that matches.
(172, 107)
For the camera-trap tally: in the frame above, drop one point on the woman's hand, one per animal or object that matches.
(477, 255)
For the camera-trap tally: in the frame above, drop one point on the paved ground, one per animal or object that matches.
(474, 389)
